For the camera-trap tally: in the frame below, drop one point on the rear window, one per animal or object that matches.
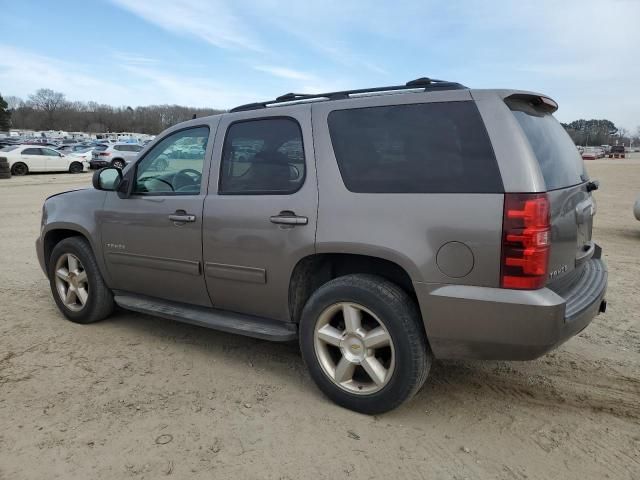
(420, 148)
(7, 149)
(559, 160)
(100, 148)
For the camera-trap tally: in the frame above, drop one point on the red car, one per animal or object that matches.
(589, 155)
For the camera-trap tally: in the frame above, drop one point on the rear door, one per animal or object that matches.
(572, 206)
(34, 159)
(262, 220)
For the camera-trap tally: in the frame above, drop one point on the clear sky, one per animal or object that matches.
(217, 53)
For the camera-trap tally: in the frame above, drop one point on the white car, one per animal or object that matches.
(31, 158)
(83, 153)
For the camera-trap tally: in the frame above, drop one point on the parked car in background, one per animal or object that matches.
(117, 155)
(24, 159)
(617, 151)
(588, 154)
(85, 153)
(381, 231)
(70, 148)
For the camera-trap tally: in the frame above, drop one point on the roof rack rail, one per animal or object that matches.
(424, 83)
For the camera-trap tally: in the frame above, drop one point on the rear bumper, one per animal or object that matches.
(498, 324)
(95, 164)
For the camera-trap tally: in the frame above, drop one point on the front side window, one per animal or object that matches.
(263, 157)
(165, 170)
(50, 152)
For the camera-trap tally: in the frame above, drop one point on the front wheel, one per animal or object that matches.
(76, 283)
(362, 339)
(75, 167)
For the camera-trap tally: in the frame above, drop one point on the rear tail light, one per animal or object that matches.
(104, 154)
(526, 240)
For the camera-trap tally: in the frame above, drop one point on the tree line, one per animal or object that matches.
(50, 110)
(600, 132)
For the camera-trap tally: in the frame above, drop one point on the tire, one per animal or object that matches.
(76, 167)
(99, 301)
(4, 168)
(406, 360)
(19, 168)
(5, 174)
(118, 163)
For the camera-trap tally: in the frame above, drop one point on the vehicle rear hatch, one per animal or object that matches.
(568, 188)
(95, 154)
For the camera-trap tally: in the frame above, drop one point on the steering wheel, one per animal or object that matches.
(194, 177)
(156, 179)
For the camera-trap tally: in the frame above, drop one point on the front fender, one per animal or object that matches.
(75, 211)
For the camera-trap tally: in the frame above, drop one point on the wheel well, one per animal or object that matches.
(54, 237)
(315, 270)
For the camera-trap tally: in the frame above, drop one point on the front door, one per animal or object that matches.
(262, 220)
(152, 241)
(54, 161)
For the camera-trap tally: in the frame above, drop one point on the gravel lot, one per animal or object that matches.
(141, 397)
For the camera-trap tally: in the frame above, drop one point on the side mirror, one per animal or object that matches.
(107, 179)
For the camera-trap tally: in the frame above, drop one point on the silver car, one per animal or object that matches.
(116, 155)
(381, 228)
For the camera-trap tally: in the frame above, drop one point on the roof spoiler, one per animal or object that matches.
(538, 101)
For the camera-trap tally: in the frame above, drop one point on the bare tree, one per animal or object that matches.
(14, 102)
(49, 102)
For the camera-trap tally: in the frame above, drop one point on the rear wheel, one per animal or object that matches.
(76, 283)
(75, 167)
(19, 168)
(362, 340)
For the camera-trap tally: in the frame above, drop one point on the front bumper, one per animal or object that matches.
(499, 324)
(40, 254)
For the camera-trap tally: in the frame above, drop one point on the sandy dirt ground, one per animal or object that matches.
(141, 397)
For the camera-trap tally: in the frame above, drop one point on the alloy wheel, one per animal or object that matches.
(19, 169)
(354, 348)
(71, 282)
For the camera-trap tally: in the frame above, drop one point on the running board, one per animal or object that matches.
(222, 320)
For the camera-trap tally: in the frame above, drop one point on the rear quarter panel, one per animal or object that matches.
(407, 229)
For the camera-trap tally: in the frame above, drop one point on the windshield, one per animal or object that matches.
(559, 160)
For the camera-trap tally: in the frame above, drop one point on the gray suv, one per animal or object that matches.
(381, 228)
(117, 155)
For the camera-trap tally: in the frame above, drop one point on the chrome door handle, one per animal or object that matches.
(182, 217)
(288, 218)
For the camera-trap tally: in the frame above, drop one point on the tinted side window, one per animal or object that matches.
(31, 151)
(421, 148)
(262, 157)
